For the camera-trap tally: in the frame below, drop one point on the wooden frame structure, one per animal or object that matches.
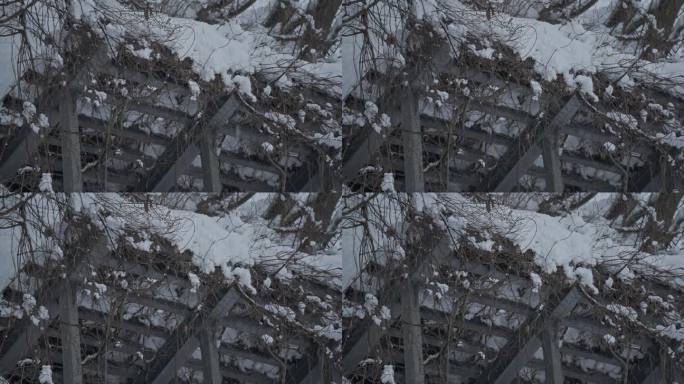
(87, 344)
(467, 149)
(111, 144)
(452, 347)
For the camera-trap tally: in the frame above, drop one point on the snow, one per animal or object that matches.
(536, 281)
(45, 376)
(267, 339)
(45, 184)
(194, 89)
(388, 183)
(387, 376)
(194, 281)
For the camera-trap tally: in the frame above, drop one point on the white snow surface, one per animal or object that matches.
(231, 243)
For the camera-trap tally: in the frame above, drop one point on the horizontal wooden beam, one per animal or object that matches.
(234, 352)
(575, 373)
(583, 161)
(252, 377)
(100, 127)
(440, 319)
(234, 180)
(100, 320)
(576, 180)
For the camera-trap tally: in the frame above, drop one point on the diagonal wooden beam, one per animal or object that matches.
(183, 341)
(183, 150)
(527, 150)
(520, 350)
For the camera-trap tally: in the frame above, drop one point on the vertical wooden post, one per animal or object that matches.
(552, 161)
(552, 356)
(71, 338)
(210, 357)
(211, 168)
(413, 142)
(413, 334)
(71, 143)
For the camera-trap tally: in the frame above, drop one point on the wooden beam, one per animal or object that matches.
(99, 320)
(575, 373)
(210, 357)
(412, 135)
(234, 373)
(100, 127)
(71, 142)
(438, 317)
(552, 163)
(182, 343)
(532, 141)
(365, 338)
(71, 337)
(412, 331)
(363, 148)
(233, 352)
(552, 356)
(233, 180)
(577, 160)
(571, 350)
(211, 168)
(184, 148)
(25, 145)
(28, 333)
(510, 180)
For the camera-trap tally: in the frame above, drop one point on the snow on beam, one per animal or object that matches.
(437, 126)
(520, 349)
(89, 123)
(172, 89)
(180, 345)
(100, 320)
